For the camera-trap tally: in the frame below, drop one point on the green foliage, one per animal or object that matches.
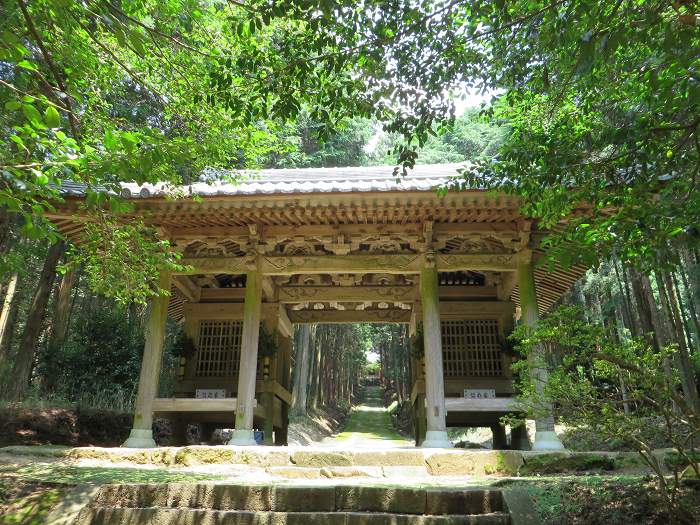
(29, 507)
(591, 378)
(146, 92)
(123, 261)
(371, 368)
(98, 366)
(602, 105)
(102, 354)
(302, 146)
(560, 463)
(470, 138)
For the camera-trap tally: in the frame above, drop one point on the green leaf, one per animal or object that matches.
(12, 105)
(52, 117)
(110, 141)
(33, 116)
(26, 64)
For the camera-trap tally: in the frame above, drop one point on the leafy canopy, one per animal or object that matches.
(600, 98)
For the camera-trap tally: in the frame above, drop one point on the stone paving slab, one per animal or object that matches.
(121, 516)
(320, 462)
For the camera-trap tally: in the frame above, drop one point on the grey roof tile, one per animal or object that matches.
(305, 180)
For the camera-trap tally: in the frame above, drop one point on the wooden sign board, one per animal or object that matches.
(210, 393)
(479, 393)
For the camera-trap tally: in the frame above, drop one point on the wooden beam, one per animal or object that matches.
(284, 325)
(181, 404)
(397, 264)
(214, 265)
(476, 309)
(495, 404)
(200, 310)
(271, 232)
(215, 295)
(464, 292)
(377, 293)
(507, 285)
(380, 263)
(350, 316)
(283, 265)
(504, 262)
(275, 388)
(269, 289)
(300, 294)
(211, 281)
(187, 288)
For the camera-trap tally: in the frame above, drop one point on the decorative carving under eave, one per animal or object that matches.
(302, 264)
(479, 243)
(310, 279)
(385, 279)
(208, 248)
(296, 246)
(388, 244)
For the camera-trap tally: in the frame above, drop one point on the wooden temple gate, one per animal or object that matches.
(340, 245)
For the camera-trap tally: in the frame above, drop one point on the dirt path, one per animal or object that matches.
(369, 426)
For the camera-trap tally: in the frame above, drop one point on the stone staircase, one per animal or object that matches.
(226, 504)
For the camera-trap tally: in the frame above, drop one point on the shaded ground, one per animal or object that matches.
(602, 500)
(68, 426)
(314, 427)
(27, 502)
(369, 426)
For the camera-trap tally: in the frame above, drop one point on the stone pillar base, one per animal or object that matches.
(436, 439)
(140, 438)
(546, 440)
(243, 438)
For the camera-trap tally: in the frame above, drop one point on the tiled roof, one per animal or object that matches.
(306, 180)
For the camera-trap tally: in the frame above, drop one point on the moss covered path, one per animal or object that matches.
(369, 426)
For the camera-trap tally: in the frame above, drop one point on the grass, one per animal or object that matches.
(370, 421)
(27, 504)
(97, 401)
(596, 499)
(71, 475)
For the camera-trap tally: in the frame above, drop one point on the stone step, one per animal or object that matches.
(161, 516)
(313, 498)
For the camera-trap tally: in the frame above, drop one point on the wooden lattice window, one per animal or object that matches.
(218, 348)
(471, 348)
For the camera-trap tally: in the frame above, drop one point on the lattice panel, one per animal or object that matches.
(470, 348)
(218, 348)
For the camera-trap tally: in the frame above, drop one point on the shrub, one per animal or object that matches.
(611, 388)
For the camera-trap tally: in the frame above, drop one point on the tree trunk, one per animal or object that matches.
(316, 378)
(59, 325)
(5, 326)
(691, 294)
(646, 306)
(673, 317)
(35, 316)
(63, 307)
(303, 362)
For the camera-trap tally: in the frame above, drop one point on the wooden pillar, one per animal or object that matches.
(245, 404)
(268, 399)
(141, 435)
(498, 441)
(419, 419)
(436, 428)
(545, 436)
(519, 439)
